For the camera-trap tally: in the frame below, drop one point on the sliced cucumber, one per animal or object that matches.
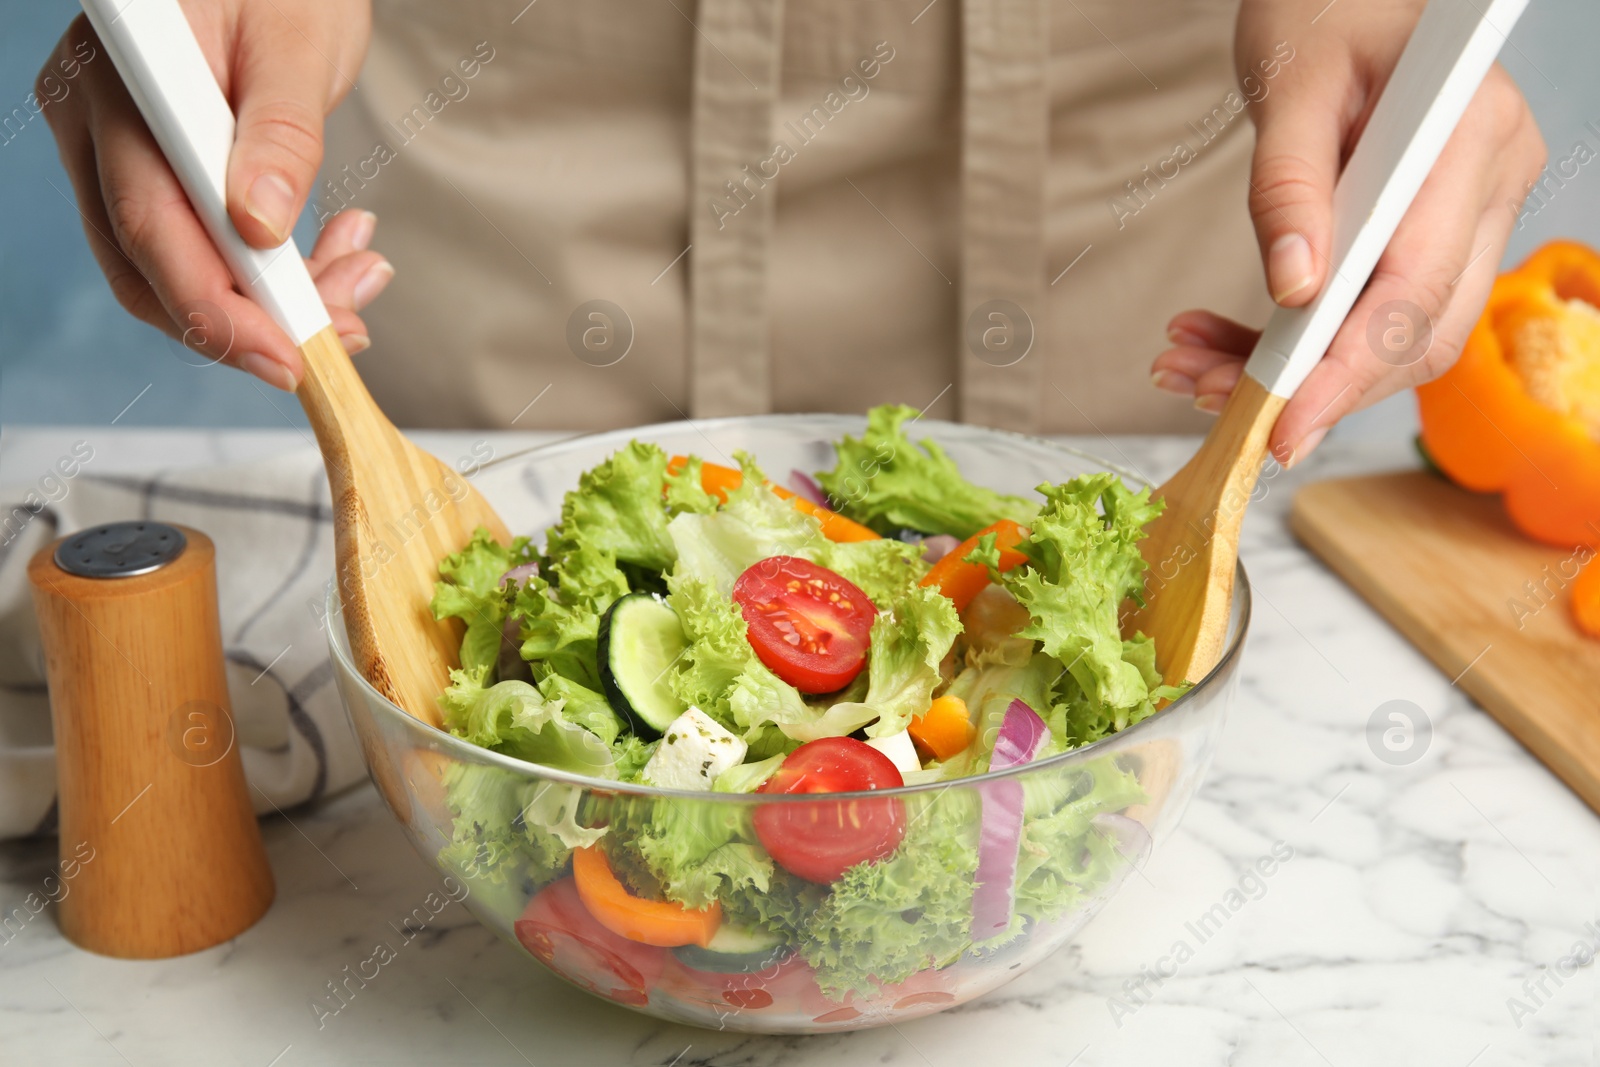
(640, 639)
(736, 950)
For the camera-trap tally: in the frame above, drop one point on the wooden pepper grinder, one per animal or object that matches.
(160, 851)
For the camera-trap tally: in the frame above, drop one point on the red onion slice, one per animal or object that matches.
(510, 663)
(1022, 737)
(806, 486)
(938, 546)
(519, 574)
(999, 840)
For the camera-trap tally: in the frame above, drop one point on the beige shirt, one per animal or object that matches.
(985, 208)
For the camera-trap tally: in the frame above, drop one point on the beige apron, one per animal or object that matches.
(614, 212)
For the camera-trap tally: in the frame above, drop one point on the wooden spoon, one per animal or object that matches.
(1193, 547)
(397, 511)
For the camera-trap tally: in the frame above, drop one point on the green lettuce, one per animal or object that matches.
(696, 852)
(469, 589)
(511, 835)
(617, 509)
(886, 570)
(718, 652)
(747, 777)
(1083, 552)
(885, 921)
(685, 493)
(720, 674)
(560, 626)
(583, 706)
(886, 482)
(514, 718)
(756, 524)
(612, 539)
(690, 851)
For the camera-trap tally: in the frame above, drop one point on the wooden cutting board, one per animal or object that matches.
(1488, 606)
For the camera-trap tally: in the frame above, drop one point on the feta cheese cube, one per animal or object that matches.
(694, 749)
(900, 749)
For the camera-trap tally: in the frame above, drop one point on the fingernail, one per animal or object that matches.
(268, 370)
(1211, 403)
(1288, 266)
(1173, 382)
(372, 283)
(355, 342)
(361, 234)
(270, 202)
(1307, 443)
(1180, 336)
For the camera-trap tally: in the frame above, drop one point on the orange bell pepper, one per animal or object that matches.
(1586, 598)
(720, 481)
(960, 580)
(1519, 413)
(945, 729)
(651, 922)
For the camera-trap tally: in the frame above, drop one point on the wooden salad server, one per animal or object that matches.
(397, 511)
(1193, 547)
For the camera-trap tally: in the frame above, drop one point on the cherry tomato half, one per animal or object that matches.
(806, 623)
(558, 929)
(820, 841)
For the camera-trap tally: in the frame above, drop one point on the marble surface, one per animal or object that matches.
(1438, 906)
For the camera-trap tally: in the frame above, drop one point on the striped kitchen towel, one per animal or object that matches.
(274, 536)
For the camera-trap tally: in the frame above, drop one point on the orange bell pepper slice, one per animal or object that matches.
(720, 481)
(650, 922)
(960, 580)
(945, 729)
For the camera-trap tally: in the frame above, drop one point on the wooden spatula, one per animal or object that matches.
(1193, 547)
(397, 509)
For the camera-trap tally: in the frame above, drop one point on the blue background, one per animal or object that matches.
(69, 354)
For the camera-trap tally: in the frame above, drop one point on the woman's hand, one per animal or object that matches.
(1443, 257)
(283, 64)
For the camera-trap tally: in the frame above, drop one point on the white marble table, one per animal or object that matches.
(1428, 915)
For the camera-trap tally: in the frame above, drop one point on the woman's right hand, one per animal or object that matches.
(283, 65)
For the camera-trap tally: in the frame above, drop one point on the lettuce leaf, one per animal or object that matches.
(560, 624)
(469, 589)
(583, 706)
(685, 493)
(1084, 562)
(885, 570)
(514, 718)
(718, 652)
(885, 921)
(756, 524)
(753, 525)
(612, 539)
(884, 481)
(617, 510)
(689, 851)
(511, 835)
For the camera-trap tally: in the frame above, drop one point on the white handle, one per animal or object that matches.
(1451, 49)
(160, 61)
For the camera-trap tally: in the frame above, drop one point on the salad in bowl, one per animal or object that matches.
(799, 753)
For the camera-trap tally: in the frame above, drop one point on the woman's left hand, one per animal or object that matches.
(1443, 258)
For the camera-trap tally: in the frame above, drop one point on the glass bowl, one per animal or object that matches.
(1089, 816)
